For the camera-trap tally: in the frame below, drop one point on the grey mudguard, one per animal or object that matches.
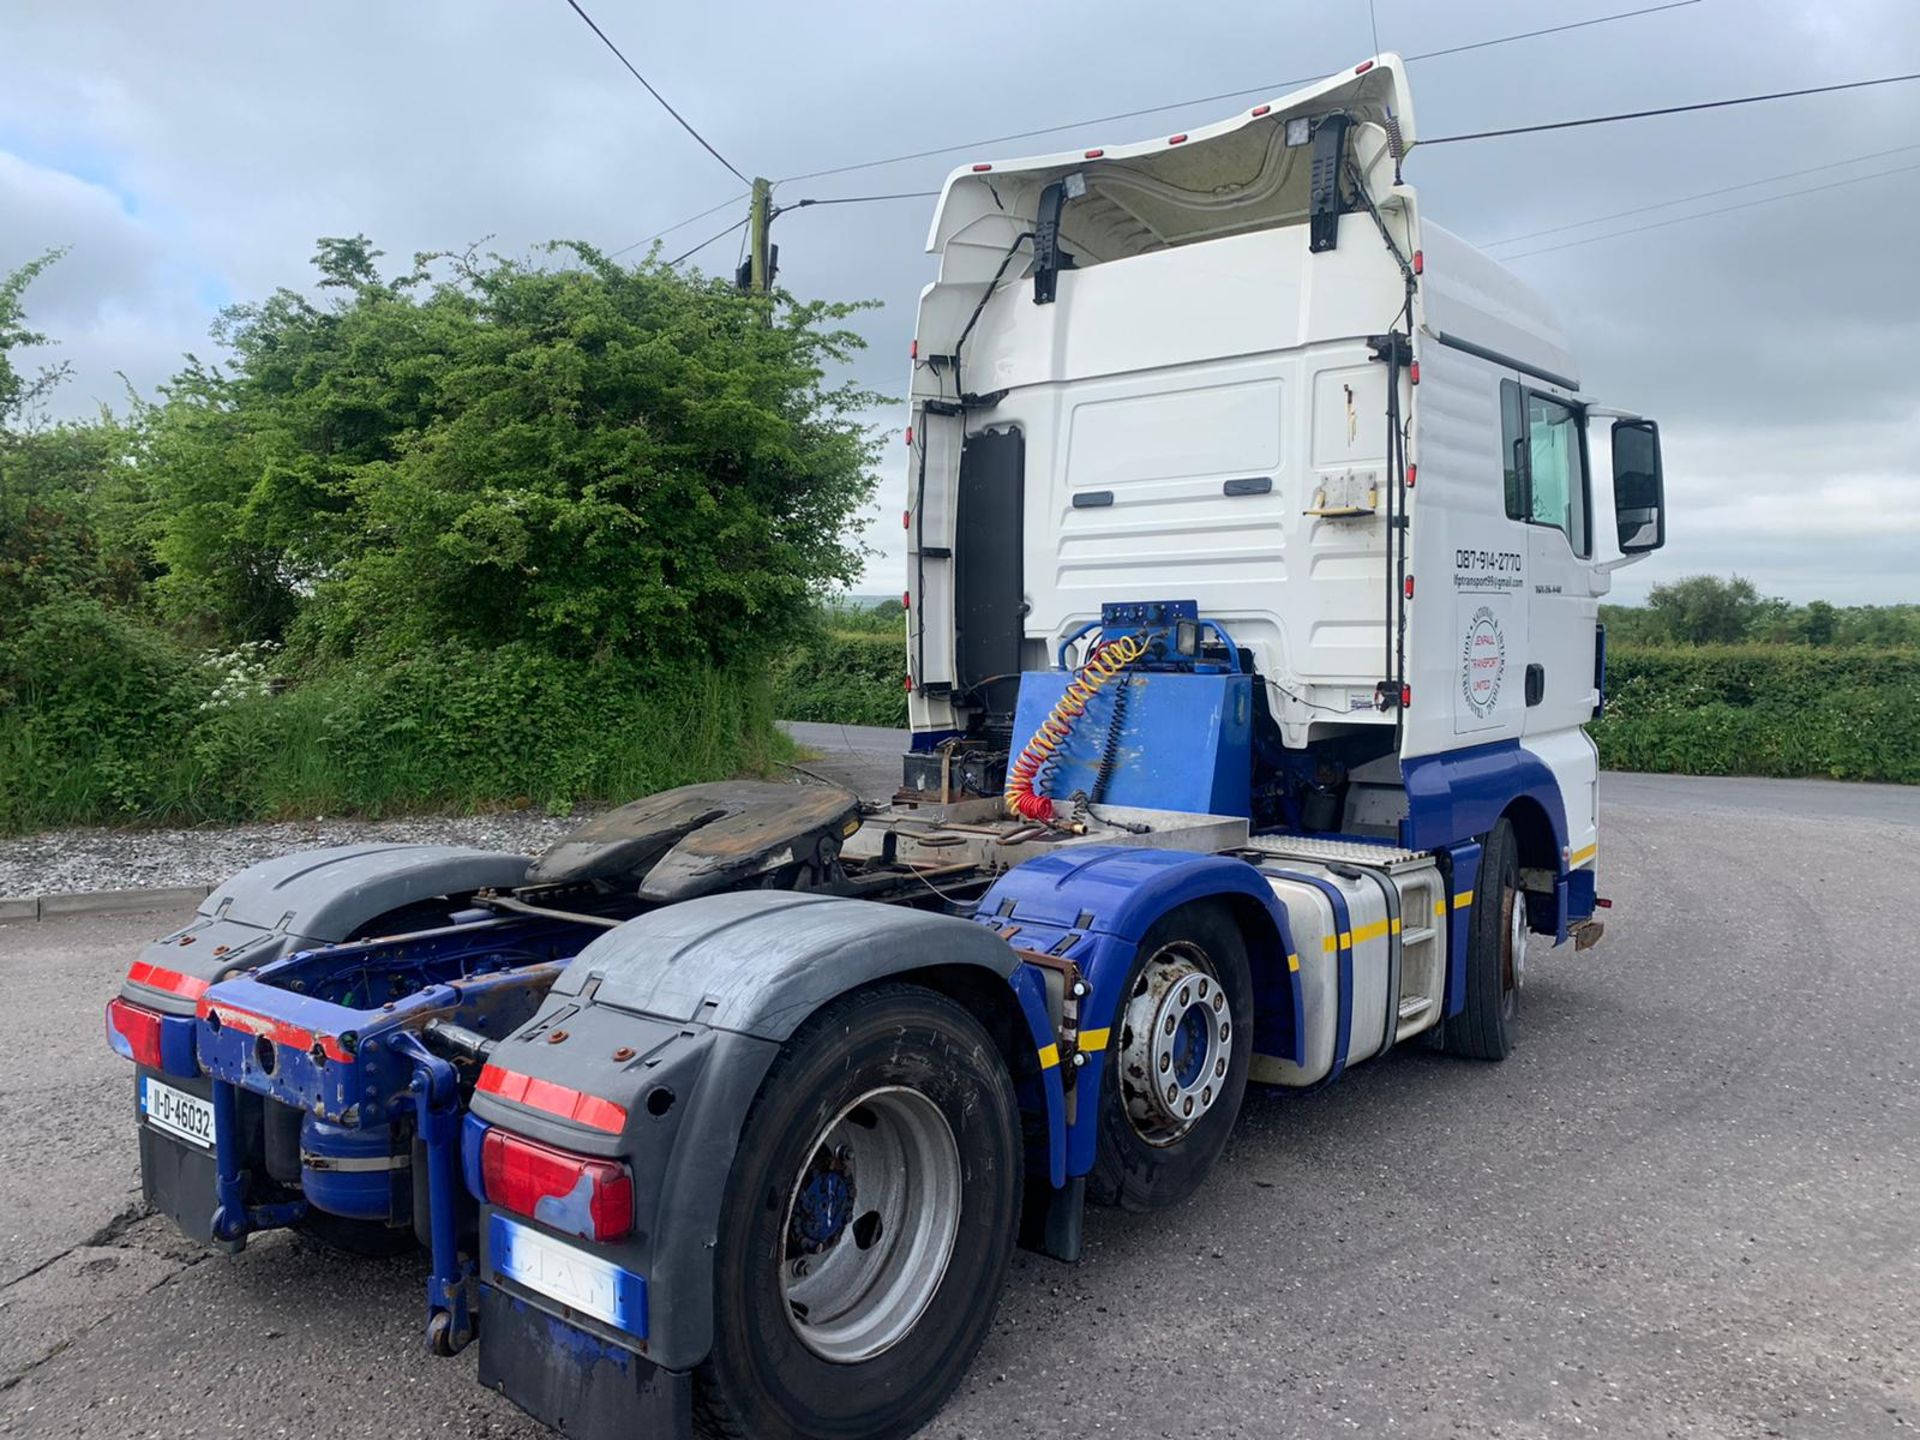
(761, 961)
(676, 1017)
(322, 895)
(309, 898)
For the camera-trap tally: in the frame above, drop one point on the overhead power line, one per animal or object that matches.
(1667, 110)
(575, 5)
(677, 225)
(736, 199)
(1278, 87)
(859, 199)
(708, 241)
(1718, 210)
(1702, 195)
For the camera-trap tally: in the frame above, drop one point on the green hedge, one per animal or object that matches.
(847, 677)
(119, 725)
(1774, 710)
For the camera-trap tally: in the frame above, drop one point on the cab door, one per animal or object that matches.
(1548, 491)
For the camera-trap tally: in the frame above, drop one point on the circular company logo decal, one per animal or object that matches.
(1483, 662)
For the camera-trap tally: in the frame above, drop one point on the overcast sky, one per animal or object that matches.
(188, 155)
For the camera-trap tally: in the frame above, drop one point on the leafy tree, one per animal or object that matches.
(1818, 623)
(1705, 609)
(19, 395)
(591, 459)
(65, 489)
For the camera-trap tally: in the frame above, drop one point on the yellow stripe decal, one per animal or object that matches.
(1049, 1056)
(1463, 899)
(1440, 907)
(1370, 932)
(1293, 962)
(1330, 944)
(1396, 925)
(1094, 1039)
(1580, 857)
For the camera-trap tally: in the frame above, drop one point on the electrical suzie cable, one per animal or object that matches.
(574, 5)
(1667, 110)
(1274, 89)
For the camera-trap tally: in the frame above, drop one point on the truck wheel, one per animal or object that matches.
(867, 1223)
(1176, 1061)
(1496, 953)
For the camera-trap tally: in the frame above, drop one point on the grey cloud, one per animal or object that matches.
(220, 140)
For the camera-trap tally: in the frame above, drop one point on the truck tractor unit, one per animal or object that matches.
(1256, 532)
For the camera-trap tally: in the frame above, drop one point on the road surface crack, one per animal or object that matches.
(107, 1237)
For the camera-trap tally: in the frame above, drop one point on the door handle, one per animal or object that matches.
(1536, 684)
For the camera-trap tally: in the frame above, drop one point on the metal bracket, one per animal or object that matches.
(435, 1091)
(1325, 205)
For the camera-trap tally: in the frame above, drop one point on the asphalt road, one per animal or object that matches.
(1688, 1205)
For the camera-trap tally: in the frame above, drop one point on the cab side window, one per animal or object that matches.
(1544, 460)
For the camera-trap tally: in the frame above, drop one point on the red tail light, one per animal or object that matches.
(134, 1032)
(573, 1193)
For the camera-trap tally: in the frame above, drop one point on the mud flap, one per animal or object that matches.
(579, 1384)
(177, 1178)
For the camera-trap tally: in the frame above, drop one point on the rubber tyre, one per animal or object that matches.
(1484, 1029)
(761, 1380)
(1128, 1171)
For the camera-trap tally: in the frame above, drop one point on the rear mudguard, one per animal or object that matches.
(651, 1048)
(1093, 905)
(298, 901)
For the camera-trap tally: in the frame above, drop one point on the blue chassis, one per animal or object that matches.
(366, 1065)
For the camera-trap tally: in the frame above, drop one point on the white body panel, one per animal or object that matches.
(1203, 417)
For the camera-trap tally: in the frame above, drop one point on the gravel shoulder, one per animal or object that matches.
(83, 858)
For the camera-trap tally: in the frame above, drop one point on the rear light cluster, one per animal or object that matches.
(134, 1032)
(575, 1194)
(151, 1038)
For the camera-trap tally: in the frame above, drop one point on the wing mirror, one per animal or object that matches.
(1639, 491)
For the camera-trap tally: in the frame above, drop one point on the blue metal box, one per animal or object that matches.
(1184, 743)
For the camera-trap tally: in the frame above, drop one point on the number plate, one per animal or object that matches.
(177, 1113)
(562, 1272)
